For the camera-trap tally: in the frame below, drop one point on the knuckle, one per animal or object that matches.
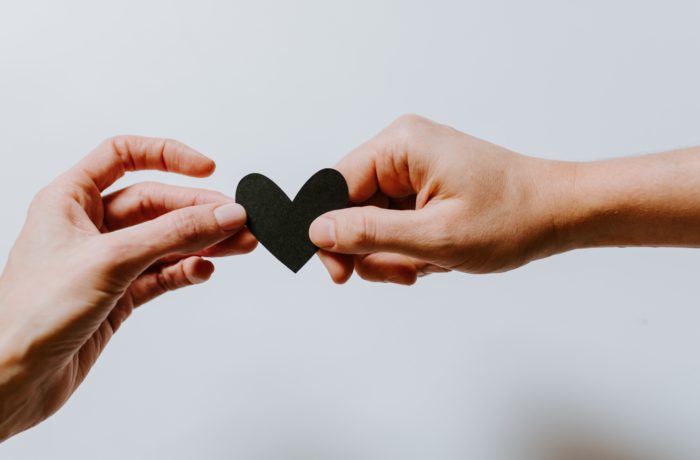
(40, 197)
(115, 143)
(144, 191)
(166, 281)
(145, 198)
(119, 138)
(56, 192)
(197, 196)
(362, 232)
(173, 278)
(408, 130)
(169, 142)
(410, 120)
(180, 277)
(187, 227)
(118, 148)
(409, 124)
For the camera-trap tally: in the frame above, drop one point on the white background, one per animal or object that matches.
(593, 351)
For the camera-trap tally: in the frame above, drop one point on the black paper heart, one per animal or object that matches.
(282, 225)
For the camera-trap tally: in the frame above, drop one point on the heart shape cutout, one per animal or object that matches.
(282, 225)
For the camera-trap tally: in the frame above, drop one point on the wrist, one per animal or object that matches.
(579, 204)
(555, 216)
(590, 207)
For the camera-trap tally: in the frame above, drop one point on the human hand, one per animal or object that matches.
(83, 262)
(432, 199)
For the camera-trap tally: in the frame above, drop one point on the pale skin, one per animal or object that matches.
(84, 261)
(427, 199)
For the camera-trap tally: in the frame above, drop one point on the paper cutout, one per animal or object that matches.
(282, 225)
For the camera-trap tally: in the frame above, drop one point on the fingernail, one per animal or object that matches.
(322, 232)
(230, 216)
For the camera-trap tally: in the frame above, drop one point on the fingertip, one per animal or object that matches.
(192, 161)
(339, 266)
(404, 275)
(405, 279)
(201, 166)
(322, 232)
(208, 168)
(209, 270)
(247, 242)
(178, 157)
(342, 277)
(387, 268)
(198, 270)
(230, 216)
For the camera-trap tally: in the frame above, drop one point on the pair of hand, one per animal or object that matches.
(84, 261)
(429, 199)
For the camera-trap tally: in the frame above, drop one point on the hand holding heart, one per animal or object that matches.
(425, 198)
(432, 199)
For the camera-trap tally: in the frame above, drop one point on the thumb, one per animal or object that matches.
(183, 231)
(368, 229)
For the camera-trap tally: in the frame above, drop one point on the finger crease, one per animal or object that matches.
(162, 282)
(163, 149)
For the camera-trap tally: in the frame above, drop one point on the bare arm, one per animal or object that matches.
(651, 200)
(429, 198)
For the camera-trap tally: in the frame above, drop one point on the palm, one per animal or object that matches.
(88, 219)
(92, 215)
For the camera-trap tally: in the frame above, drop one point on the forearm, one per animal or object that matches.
(651, 200)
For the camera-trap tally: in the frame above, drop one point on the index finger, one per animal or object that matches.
(384, 162)
(358, 169)
(117, 155)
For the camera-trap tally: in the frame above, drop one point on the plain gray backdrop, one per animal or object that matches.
(594, 351)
